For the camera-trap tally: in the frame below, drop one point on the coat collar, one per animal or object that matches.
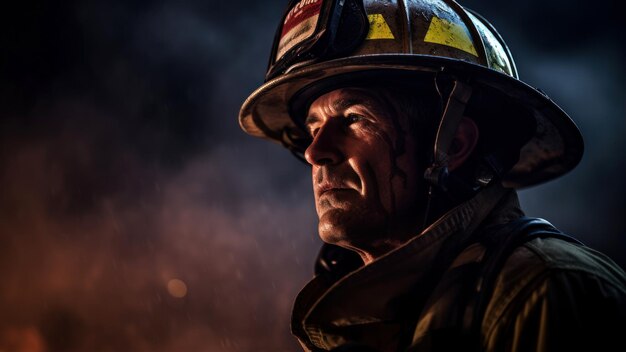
(369, 303)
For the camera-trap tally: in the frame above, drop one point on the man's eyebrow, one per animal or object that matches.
(340, 105)
(343, 104)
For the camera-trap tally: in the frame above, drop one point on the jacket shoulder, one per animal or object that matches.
(551, 277)
(546, 256)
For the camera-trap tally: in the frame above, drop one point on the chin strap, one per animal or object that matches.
(437, 173)
(453, 112)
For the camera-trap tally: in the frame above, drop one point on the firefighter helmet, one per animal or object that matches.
(325, 43)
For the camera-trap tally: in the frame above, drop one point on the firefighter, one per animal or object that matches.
(418, 132)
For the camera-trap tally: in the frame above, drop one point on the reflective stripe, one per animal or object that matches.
(444, 32)
(379, 29)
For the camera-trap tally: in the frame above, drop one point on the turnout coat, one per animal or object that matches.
(445, 290)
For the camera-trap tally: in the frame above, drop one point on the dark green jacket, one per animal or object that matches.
(549, 295)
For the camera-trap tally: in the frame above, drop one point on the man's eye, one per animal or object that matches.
(352, 118)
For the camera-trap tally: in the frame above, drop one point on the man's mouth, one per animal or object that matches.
(327, 187)
(333, 182)
(334, 189)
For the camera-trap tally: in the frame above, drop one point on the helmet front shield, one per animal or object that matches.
(314, 30)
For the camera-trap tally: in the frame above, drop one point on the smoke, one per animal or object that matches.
(136, 216)
(95, 275)
(595, 189)
(576, 59)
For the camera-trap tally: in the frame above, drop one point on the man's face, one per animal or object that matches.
(366, 179)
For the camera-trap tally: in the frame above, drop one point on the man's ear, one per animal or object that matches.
(463, 143)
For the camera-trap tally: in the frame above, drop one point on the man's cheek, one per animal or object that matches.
(379, 176)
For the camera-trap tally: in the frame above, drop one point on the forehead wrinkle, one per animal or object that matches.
(325, 108)
(329, 106)
(366, 98)
(343, 104)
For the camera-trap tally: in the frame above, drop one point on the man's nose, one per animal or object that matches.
(325, 147)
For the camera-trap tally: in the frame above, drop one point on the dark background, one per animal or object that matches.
(122, 167)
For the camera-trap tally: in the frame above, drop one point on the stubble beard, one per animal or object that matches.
(353, 223)
(350, 223)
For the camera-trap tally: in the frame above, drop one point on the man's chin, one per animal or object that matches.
(340, 227)
(331, 234)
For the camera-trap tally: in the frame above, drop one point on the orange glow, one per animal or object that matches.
(177, 288)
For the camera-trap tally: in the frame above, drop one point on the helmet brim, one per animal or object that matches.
(555, 148)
